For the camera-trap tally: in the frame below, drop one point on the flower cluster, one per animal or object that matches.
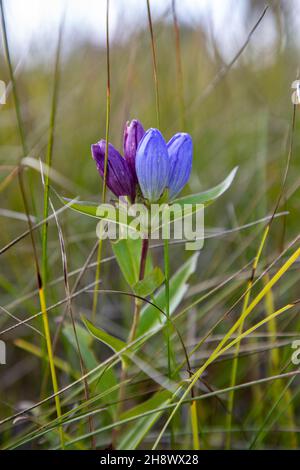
(150, 166)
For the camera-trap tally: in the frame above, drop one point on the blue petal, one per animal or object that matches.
(152, 165)
(180, 149)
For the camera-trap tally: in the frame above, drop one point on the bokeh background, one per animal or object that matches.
(238, 115)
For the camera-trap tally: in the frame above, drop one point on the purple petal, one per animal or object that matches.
(180, 149)
(152, 165)
(133, 134)
(119, 178)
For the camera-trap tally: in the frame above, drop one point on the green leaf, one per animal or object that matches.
(207, 197)
(128, 255)
(85, 341)
(118, 215)
(150, 316)
(106, 212)
(108, 379)
(87, 208)
(138, 429)
(114, 343)
(150, 283)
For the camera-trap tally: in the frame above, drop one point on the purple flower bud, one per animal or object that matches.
(119, 178)
(133, 134)
(152, 165)
(180, 149)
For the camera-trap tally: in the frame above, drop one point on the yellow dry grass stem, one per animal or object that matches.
(36, 351)
(274, 367)
(220, 349)
(195, 429)
(51, 361)
(240, 331)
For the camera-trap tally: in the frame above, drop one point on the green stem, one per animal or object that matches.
(24, 198)
(154, 64)
(97, 279)
(44, 313)
(179, 67)
(137, 303)
(131, 338)
(167, 290)
(107, 126)
(168, 326)
(13, 82)
(48, 162)
(233, 377)
(51, 362)
(49, 154)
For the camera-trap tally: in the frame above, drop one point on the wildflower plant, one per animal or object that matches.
(150, 173)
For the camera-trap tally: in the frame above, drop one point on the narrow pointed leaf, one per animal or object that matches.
(150, 283)
(207, 197)
(107, 378)
(128, 255)
(114, 343)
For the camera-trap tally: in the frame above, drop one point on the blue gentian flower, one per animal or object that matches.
(152, 165)
(148, 161)
(161, 166)
(121, 175)
(180, 149)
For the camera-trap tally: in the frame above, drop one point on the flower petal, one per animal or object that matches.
(152, 165)
(133, 134)
(119, 177)
(180, 149)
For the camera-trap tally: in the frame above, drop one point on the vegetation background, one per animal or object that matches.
(237, 114)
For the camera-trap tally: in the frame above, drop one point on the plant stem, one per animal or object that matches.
(131, 337)
(167, 289)
(240, 331)
(13, 82)
(44, 311)
(179, 67)
(195, 427)
(168, 326)
(97, 279)
(137, 303)
(107, 126)
(49, 155)
(154, 64)
(234, 370)
(51, 361)
(48, 162)
(26, 207)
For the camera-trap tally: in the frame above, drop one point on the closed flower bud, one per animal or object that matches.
(133, 134)
(152, 165)
(119, 178)
(180, 149)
